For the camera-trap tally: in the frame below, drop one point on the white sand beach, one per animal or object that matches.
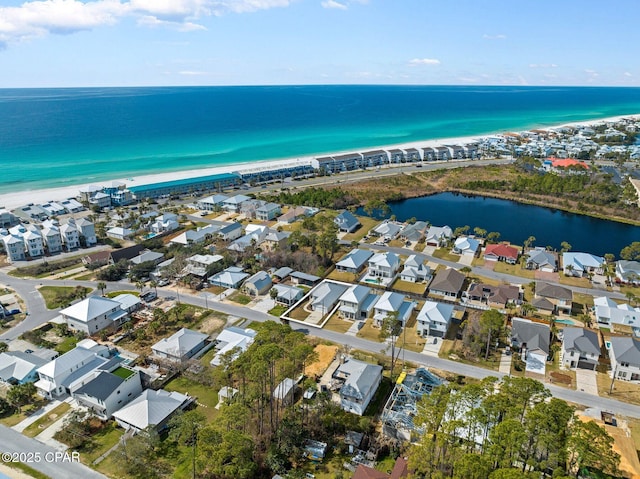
(14, 200)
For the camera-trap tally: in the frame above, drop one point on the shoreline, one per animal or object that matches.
(39, 196)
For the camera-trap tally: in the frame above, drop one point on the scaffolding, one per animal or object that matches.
(401, 407)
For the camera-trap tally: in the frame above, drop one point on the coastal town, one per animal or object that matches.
(147, 317)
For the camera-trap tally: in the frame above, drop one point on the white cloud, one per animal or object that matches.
(494, 37)
(192, 73)
(627, 74)
(543, 65)
(41, 17)
(151, 21)
(424, 61)
(591, 73)
(333, 4)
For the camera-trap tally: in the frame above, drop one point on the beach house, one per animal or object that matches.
(624, 354)
(346, 222)
(394, 304)
(415, 269)
(151, 409)
(93, 314)
(232, 341)
(360, 381)
(356, 302)
(580, 348)
(180, 346)
(354, 261)
(434, 319)
(447, 283)
(581, 264)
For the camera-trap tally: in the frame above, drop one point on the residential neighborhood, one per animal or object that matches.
(200, 304)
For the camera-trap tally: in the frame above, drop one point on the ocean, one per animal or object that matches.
(60, 137)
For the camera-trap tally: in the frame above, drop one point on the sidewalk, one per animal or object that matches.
(505, 363)
(21, 426)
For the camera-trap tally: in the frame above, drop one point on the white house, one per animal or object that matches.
(164, 223)
(466, 245)
(438, 235)
(199, 263)
(14, 247)
(94, 314)
(196, 236)
(52, 239)
(361, 381)
(109, 389)
(415, 270)
(58, 376)
(625, 358)
(120, 233)
(151, 409)
(392, 303)
(384, 265)
(17, 367)
(234, 203)
(180, 346)
(628, 271)
(580, 264)
(434, 319)
(610, 314)
(228, 278)
(325, 296)
(288, 295)
(354, 261)
(580, 348)
(70, 235)
(356, 302)
(232, 341)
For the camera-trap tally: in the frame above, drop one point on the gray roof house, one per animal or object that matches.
(539, 258)
(258, 284)
(533, 339)
(17, 367)
(228, 278)
(413, 232)
(561, 297)
(347, 222)
(326, 295)
(628, 271)
(580, 348)
(354, 261)
(447, 283)
(109, 390)
(288, 295)
(356, 302)
(180, 346)
(625, 358)
(361, 381)
(438, 235)
(151, 409)
(415, 270)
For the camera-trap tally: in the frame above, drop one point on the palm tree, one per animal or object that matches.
(154, 284)
(102, 286)
(140, 285)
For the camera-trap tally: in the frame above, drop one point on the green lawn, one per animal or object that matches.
(47, 420)
(443, 253)
(113, 294)
(572, 281)
(207, 397)
(15, 418)
(367, 223)
(103, 440)
(342, 276)
(409, 287)
(240, 298)
(369, 332)
(337, 324)
(278, 310)
(62, 296)
(67, 344)
(513, 269)
(123, 373)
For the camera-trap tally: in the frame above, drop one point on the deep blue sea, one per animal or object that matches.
(61, 137)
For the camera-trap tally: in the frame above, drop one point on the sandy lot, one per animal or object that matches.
(325, 356)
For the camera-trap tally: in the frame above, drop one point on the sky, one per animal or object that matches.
(73, 43)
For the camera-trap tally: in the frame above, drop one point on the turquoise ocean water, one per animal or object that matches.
(60, 137)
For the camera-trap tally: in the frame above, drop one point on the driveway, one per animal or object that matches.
(586, 381)
(466, 259)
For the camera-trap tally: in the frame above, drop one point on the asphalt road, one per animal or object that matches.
(41, 457)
